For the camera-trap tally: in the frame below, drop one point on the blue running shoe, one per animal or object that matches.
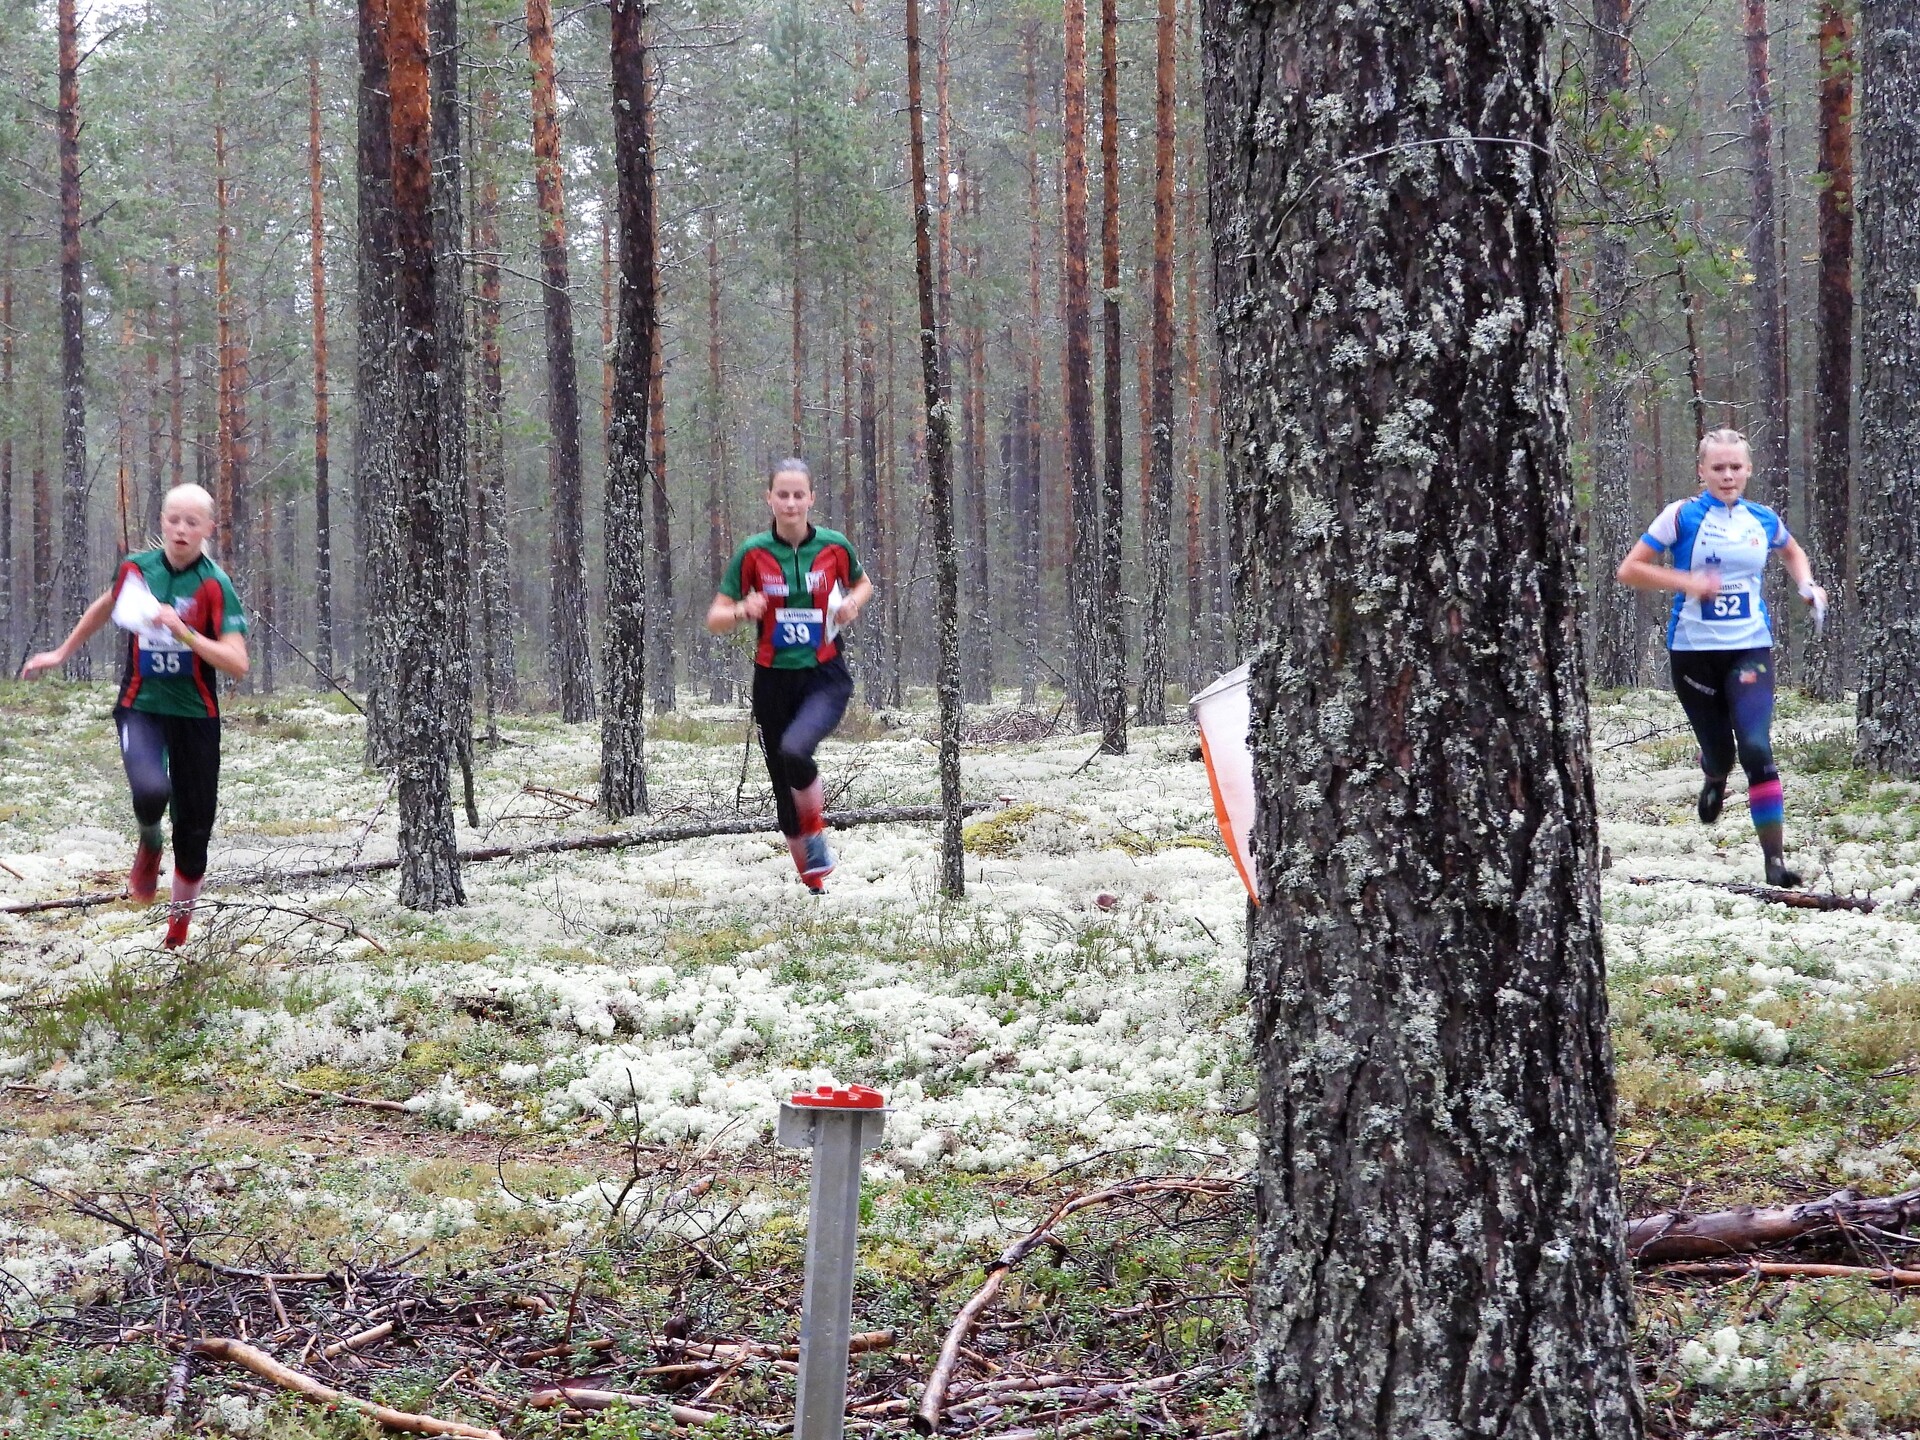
(819, 858)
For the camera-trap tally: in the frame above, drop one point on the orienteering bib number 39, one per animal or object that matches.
(157, 664)
(1728, 605)
(795, 629)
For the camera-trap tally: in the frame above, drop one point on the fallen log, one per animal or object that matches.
(287, 1378)
(926, 1419)
(614, 840)
(1782, 1270)
(1772, 894)
(1677, 1235)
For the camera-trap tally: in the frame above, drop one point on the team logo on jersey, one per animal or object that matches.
(774, 587)
(1711, 560)
(815, 578)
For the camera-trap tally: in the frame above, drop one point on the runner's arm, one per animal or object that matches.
(854, 602)
(228, 654)
(1800, 571)
(91, 622)
(1642, 572)
(727, 612)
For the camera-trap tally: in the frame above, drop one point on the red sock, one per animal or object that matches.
(810, 804)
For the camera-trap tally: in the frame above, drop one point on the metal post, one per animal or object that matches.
(837, 1125)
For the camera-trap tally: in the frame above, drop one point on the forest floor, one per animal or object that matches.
(573, 1079)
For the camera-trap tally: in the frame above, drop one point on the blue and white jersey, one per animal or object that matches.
(1703, 534)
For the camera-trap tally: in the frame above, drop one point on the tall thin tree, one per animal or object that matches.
(1774, 483)
(1440, 1218)
(494, 580)
(953, 875)
(1083, 592)
(1157, 518)
(1113, 614)
(1829, 492)
(1889, 197)
(570, 666)
(317, 261)
(75, 554)
(424, 748)
(623, 725)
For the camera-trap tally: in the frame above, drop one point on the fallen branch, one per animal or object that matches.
(1677, 1235)
(1785, 1271)
(391, 1106)
(1773, 894)
(617, 840)
(568, 1396)
(305, 1386)
(361, 1341)
(927, 1419)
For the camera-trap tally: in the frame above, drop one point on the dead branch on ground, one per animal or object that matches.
(1677, 1235)
(1772, 894)
(287, 1378)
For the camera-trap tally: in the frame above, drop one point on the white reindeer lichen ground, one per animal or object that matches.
(1084, 999)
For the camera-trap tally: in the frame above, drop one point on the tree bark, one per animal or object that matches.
(1829, 494)
(623, 727)
(1616, 525)
(1888, 195)
(1440, 1226)
(75, 553)
(7, 608)
(317, 256)
(1083, 595)
(1113, 474)
(375, 417)
(661, 677)
(953, 879)
(1773, 483)
(429, 858)
(490, 490)
(719, 518)
(1032, 520)
(570, 666)
(1157, 513)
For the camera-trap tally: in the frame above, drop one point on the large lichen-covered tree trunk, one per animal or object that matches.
(623, 723)
(1889, 197)
(1439, 1249)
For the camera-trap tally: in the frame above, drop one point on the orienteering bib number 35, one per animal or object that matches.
(1728, 605)
(157, 664)
(795, 629)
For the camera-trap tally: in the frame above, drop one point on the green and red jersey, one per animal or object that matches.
(171, 679)
(797, 581)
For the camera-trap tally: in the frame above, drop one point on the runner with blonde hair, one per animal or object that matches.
(1719, 638)
(185, 627)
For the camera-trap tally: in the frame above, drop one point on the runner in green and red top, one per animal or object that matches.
(185, 628)
(801, 584)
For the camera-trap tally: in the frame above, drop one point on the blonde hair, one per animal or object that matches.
(1723, 437)
(192, 493)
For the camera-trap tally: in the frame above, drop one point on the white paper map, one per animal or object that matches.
(136, 611)
(833, 610)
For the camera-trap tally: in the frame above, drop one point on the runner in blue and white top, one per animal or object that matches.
(1719, 635)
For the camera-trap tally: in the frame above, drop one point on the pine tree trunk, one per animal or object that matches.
(156, 423)
(1199, 620)
(979, 530)
(719, 521)
(42, 619)
(75, 554)
(1083, 595)
(1772, 482)
(1615, 524)
(424, 748)
(623, 725)
(7, 606)
(1032, 520)
(1888, 193)
(570, 666)
(1113, 475)
(494, 583)
(1440, 1222)
(662, 680)
(375, 416)
(953, 877)
(1829, 495)
(317, 252)
(1157, 514)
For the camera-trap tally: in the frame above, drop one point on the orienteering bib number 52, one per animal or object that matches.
(1728, 605)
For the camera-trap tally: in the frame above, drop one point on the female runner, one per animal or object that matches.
(800, 584)
(184, 624)
(1718, 637)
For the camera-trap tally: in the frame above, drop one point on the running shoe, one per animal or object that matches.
(177, 929)
(1713, 793)
(819, 858)
(1778, 873)
(143, 880)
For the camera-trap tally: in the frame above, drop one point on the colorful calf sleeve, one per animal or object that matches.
(1767, 805)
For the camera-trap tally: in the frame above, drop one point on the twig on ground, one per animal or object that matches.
(581, 1398)
(1776, 1269)
(926, 1420)
(287, 1378)
(392, 1106)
